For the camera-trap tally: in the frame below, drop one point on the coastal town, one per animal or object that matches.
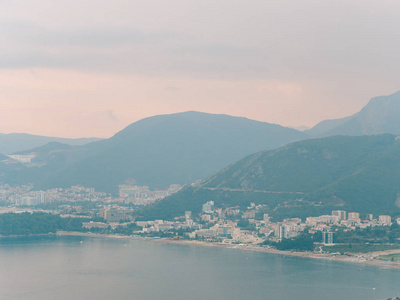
(249, 227)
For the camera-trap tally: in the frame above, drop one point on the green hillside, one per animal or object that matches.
(304, 178)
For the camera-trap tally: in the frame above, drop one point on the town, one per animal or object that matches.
(102, 213)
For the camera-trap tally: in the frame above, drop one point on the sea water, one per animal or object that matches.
(54, 267)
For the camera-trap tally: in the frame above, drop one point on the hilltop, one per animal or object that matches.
(156, 151)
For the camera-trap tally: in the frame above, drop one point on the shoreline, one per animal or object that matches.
(357, 258)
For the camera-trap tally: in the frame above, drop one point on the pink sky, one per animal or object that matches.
(92, 68)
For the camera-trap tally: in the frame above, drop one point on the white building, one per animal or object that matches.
(385, 220)
(354, 216)
(208, 207)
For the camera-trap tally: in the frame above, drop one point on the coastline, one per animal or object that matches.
(358, 258)
(24, 235)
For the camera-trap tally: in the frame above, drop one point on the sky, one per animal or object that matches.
(91, 67)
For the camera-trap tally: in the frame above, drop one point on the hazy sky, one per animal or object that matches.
(90, 67)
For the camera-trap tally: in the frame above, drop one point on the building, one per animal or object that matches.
(266, 218)
(249, 215)
(141, 195)
(208, 207)
(221, 213)
(188, 215)
(26, 201)
(206, 218)
(40, 197)
(327, 219)
(369, 217)
(206, 233)
(224, 231)
(339, 213)
(354, 216)
(112, 214)
(282, 232)
(328, 237)
(92, 224)
(385, 220)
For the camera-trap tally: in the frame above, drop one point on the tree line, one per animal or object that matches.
(36, 223)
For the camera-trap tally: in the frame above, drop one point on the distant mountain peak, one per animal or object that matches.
(381, 115)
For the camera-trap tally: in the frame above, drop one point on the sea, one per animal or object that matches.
(72, 267)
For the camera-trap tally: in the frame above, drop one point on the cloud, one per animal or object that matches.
(92, 49)
(120, 50)
(234, 40)
(30, 34)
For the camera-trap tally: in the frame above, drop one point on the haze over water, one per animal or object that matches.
(96, 268)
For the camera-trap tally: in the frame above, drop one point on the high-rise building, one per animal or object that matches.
(40, 197)
(328, 237)
(354, 216)
(339, 213)
(282, 232)
(385, 220)
(369, 217)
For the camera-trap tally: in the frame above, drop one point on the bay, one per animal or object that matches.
(54, 267)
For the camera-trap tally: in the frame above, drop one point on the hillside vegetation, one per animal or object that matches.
(36, 223)
(305, 178)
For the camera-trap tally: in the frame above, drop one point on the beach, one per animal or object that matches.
(370, 258)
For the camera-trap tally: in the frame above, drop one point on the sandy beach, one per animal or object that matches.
(359, 258)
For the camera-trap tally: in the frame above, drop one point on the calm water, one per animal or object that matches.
(66, 268)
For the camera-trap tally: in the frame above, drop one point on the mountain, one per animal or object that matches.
(323, 128)
(380, 115)
(157, 151)
(47, 148)
(302, 178)
(16, 142)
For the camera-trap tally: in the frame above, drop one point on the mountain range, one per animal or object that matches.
(15, 142)
(351, 171)
(157, 151)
